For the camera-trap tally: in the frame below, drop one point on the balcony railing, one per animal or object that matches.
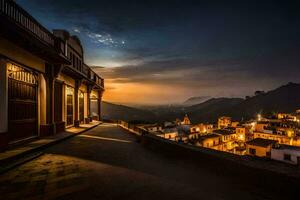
(14, 12)
(24, 20)
(90, 74)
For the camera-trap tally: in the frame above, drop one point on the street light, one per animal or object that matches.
(259, 117)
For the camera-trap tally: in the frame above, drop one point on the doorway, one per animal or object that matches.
(22, 103)
(70, 105)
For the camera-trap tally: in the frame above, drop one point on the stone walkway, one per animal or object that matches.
(107, 163)
(45, 141)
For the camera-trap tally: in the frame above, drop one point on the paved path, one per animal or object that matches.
(108, 163)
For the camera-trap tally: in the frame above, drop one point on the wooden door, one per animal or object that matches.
(22, 103)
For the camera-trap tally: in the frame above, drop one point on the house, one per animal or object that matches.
(287, 117)
(228, 138)
(241, 133)
(153, 127)
(286, 153)
(168, 133)
(169, 124)
(202, 128)
(282, 137)
(212, 141)
(234, 124)
(260, 147)
(44, 84)
(260, 126)
(224, 122)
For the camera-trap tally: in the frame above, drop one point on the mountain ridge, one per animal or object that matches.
(285, 98)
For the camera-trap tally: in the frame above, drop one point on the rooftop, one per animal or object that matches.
(289, 147)
(208, 136)
(223, 132)
(151, 125)
(261, 142)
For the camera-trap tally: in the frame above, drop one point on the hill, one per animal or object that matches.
(195, 100)
(283, 99)
(210, 110)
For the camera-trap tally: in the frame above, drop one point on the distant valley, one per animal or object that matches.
(283, 99)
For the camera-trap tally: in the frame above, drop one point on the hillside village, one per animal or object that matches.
(274, 137)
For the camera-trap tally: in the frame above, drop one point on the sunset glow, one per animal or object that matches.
(202, 49)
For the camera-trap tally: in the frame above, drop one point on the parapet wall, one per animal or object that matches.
(251, 168)
(264, 174)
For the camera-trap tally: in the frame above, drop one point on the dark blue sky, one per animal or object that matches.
(166, 51)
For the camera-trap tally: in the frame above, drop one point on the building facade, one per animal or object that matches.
(224, 122)
(286, 153)
(260, 147)
(43, 87)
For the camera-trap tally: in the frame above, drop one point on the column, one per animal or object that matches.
(100, 93)
(49, 127)
(3, 105)
(76, 105)
(89, 89)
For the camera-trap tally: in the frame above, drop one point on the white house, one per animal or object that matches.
(286, 153)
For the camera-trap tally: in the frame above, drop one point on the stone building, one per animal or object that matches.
(44, 84)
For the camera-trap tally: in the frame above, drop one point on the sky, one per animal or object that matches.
(164, 52)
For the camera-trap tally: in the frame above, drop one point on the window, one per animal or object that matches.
(252, 151)
(287, 157)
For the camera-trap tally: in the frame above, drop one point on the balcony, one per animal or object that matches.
(85, 72)
(22, 29)
(94, 77)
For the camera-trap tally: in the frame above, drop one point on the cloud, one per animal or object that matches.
(169, 50)
(216, 78)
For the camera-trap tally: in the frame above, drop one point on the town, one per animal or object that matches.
(274, 137)
(93, 100)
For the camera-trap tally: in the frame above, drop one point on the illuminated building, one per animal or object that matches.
(228, 139)
(222, 140)
(186, 120)
(260, 126)
(259, 147)
(168, 133)
(201, 129)
(212, 141)
(234, 124)
(153, 127)
(224, 122)
(45, 85)
(241, 133)
(285, 116)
